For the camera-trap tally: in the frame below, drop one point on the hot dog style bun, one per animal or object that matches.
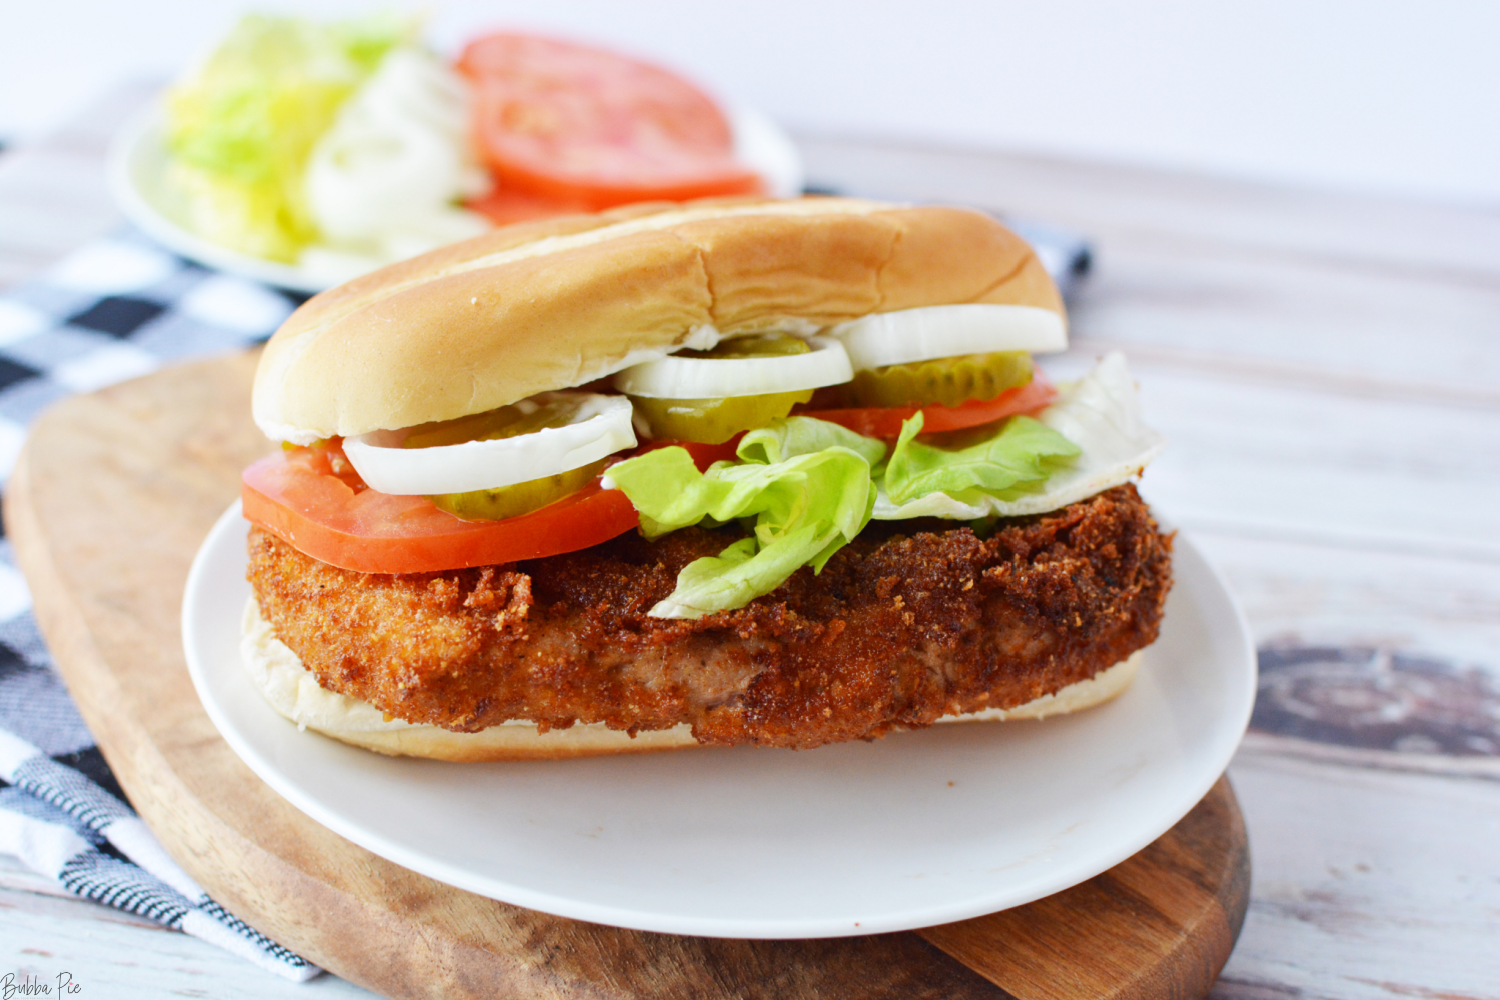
(894, 620)
(559, 303)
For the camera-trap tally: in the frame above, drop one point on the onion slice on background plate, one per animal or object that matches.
(907, 335)
(395, 160)
(713, 378)
(600, 428)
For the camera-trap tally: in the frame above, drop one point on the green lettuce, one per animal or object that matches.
(1017, 458)
(241, 127)
(792, 436)
(1101, 414)
(808, 487)
(804, 484)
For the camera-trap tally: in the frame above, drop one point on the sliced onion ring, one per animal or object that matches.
(715, 378)
(600, 428)
(907, 335)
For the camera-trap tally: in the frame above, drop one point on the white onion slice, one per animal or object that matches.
(907, 335)
(713, 378)
(599, 429)
(383, 179)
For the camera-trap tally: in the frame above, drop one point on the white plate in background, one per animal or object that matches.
(137, 173)
(916, 829)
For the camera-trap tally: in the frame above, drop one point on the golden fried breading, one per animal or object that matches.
(910, 622)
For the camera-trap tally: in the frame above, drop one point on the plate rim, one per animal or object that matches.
(142, 132)
(1233, 728)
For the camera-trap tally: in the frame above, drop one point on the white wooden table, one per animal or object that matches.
(1328, 371)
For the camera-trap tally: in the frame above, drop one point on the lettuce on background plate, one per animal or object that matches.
(243, 123)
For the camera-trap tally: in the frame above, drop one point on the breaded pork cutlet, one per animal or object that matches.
(910, 622)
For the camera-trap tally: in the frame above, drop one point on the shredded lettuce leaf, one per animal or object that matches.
(1100, 413)
(792, 436)
(810, 487)
(806, 483)
(1005, 463)
(240, 128)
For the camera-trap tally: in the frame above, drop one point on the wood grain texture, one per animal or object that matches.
(110, 501)
(1181, 899)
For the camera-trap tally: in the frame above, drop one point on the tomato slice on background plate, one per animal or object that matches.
(504, 206)
(585, 126)
(885, 421)
(312, 499)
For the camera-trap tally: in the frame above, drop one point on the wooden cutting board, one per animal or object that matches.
(109, 502)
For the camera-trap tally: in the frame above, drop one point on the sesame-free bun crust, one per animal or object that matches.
(559, 303)
(294, 692)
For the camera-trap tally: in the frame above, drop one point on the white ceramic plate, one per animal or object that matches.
(916, 829)
(137, 171)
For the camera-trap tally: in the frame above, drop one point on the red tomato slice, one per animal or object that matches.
(581, 125)
(703, 455)
(885, 422)
(312, 499)
(503, 207)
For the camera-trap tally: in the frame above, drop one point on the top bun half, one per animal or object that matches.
(558, 303)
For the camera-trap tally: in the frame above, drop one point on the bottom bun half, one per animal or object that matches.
(294, 692)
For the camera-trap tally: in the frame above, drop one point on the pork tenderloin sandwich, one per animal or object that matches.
(776, 473)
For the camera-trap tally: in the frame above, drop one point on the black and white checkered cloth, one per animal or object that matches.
(118, 308)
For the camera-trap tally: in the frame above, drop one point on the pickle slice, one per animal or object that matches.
(949, 381)
(525, 417)
(714, 421)
(522, 498)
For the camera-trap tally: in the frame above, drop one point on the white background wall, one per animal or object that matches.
(1383, 96)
